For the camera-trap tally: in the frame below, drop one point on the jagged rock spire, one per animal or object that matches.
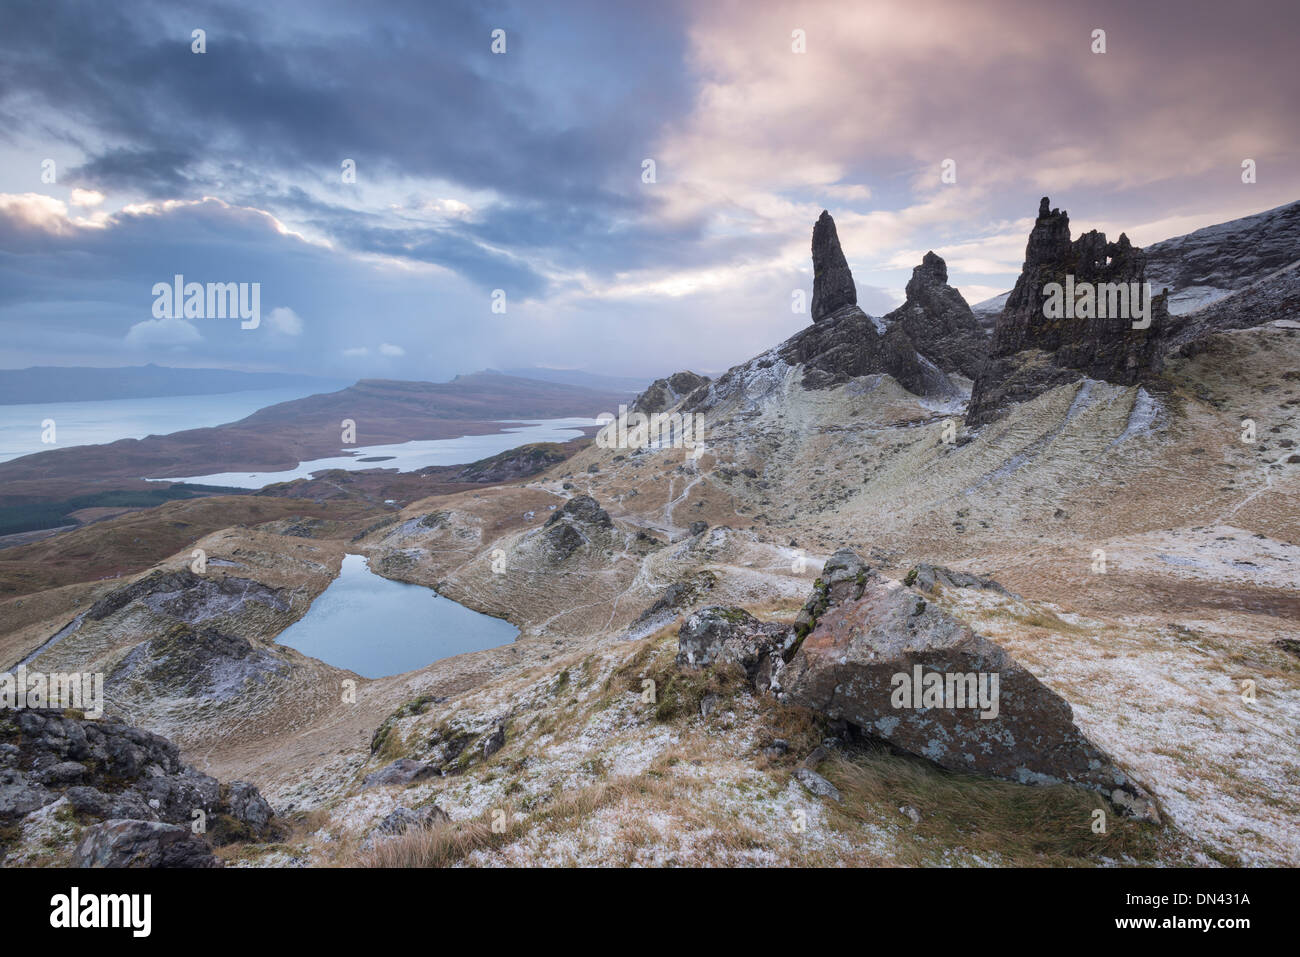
(939, 322)
(933, 271)
(1032, 353)
(833, 287)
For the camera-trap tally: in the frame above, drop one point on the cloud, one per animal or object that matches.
(522, 172)
(386, 349)
(169, 334)
(86, 197)
(285, 321)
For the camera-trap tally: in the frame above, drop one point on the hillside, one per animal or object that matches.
(281, 436)
(701, 627)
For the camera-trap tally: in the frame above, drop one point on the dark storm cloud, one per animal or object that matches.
(522, 171)
(293, 92)
(150, 171)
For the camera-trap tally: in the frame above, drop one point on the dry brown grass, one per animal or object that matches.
(1013, 824)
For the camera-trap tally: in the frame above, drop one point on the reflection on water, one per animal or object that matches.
(376, 627)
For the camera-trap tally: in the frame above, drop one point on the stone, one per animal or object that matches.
(403, 819)
(92, 802)
(403, 771)
(833, 287)
(926, 577)
(495, 741)
(245, 803)
(19, 796)
(120, 843)
(717, 635)
(858, 641)
(816, 784)
(582, 508)
(65, 772)
(563, 539)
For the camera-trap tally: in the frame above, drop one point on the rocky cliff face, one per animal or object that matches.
(833, 287)
(861, 638)
(662, 394)
(844, 343)
(939, 322)
(1033, 352)
(127, 789)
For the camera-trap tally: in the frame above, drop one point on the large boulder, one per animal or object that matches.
(141, 844)
(400, 773)
(582, 509)
(246, 804)
(878, 655)
(927, 577)
(717, 635)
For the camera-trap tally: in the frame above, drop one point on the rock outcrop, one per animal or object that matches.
(939, 322)
(1032, 353)
(878, 655)
(925, 577)
(873, 652)
(662, 394)
(514, 464)
(132, 780)
(833, 287)
(717, 635)
(852, 344)
(843, 343)
(141, 844)
(573, 525)
(582, 509)
(189, 597)
(193, 662)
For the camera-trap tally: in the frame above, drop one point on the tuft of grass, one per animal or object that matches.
(1014, 824)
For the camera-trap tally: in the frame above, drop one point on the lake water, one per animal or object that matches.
(107, 420)
(406, 456)
(377, 627)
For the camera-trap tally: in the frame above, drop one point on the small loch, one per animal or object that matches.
(378, 627)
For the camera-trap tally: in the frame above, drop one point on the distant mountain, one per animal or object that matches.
(587, 380)
(87, 384)
(280, 436)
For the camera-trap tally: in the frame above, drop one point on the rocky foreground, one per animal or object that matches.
(711, 640)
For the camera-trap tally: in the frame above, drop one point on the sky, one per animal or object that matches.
(503, 214)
